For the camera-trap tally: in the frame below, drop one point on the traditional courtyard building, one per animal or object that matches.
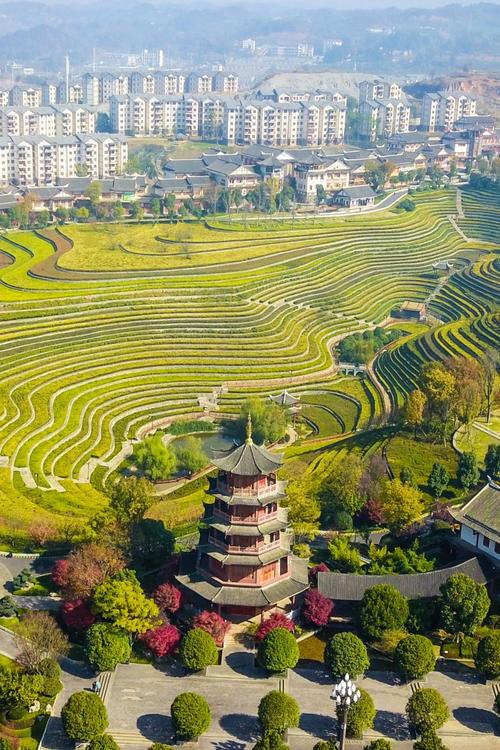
(243, 564)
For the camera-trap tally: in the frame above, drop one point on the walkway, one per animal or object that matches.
(138, 699)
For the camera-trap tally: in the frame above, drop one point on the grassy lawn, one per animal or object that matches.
(419, 457)
(313, 647)
(474, 439)
(175, 149)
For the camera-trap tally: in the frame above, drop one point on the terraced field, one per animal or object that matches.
(108, 331)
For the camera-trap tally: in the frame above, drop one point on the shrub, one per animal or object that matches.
(464, 604)
(198, 650)
(167, 597)
(104, 742)
(77, 615)
(389, 640)
(325, 745)
(49, 668)
(84, 716)
(429, 741)
(162, 640)
(380, 744)
(271, 740)
(302, 549)
(213, 624)
(5, 744)
(360, 715)
(382, 608)
(106, 646)
(160, 746)
(487, 658)
(406, 204)
(423, 615)
(496, 704)
(317, 608)
(278, 651)
(313, 572)
(426, 709)
(278, 711)
(52, 686)
(8, 607)
(276, 620)
(342, 520)
(190, 715)
(346, 653)
(414, 657)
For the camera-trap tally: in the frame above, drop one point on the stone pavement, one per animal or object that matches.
(138, 699)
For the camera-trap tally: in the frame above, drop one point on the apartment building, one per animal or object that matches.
(199, 84)
(378, 89)
(226, 83)
(441, 110)
(228, 119)
(169, 84)
(382, 118)
(90, 87)
(25, 96)
(55, 120)
(40, 160)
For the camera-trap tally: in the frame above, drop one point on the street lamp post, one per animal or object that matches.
(345, 694)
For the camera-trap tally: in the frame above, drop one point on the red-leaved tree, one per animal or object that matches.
(162, 640)
(60, 573)
(317, 608)
(214, 624)
(77, 615)
(276, 620)
(313, 573)
(85, 568)
(167, 597)
(372, 512)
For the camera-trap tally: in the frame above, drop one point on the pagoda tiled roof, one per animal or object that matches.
(240, 558)
(247, 460)
(278, 523)
(248, 596)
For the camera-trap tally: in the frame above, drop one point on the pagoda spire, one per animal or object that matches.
(249, 440)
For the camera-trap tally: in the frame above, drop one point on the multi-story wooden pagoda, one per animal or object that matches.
(243, 565)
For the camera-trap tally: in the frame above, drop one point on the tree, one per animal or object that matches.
(155, 208)
(130, 499)
(380, 744)
(269, 420)
(151, 543)
(467, 398)
(85, 568)
(382, 608)
(320, 194)
(106, 646)
(345, 653)
(77, 614)
(439, 386)
(487, 659)
(303, 507)
(341, 488)
(169, 202)
(490, 363)
(190, 715)
(414, 657)
(136, 211)
(191, 457)
(492, 460)
(402, 505)
(360, 716)
(278, 711)
(93, 193)
(61, 215)
(84, 716)
(163, 640)
(278, 651)
(426, 710)
(374, 174)
(213, 624)
(344, 557)
(18, 690)
(122, 601)
(154, 458)
(167, 597)
(414, 409)
(438, 479)
(429, 741)
(39, 638)
(317, 608)
(467, 472)
(198, 650)
(104, 742)
(276, 620)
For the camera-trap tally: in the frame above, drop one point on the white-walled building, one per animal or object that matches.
(54, 120)
(40, 160)
(441, 110)
(330, 173)
(382, 118)
(25, 96)
(371, 90)
(480, 522)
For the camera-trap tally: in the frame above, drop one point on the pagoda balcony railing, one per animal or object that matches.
(253, 548)
(260, 492)
(250, 520)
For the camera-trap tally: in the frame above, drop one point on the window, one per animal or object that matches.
(486, 541)
(497, 547)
